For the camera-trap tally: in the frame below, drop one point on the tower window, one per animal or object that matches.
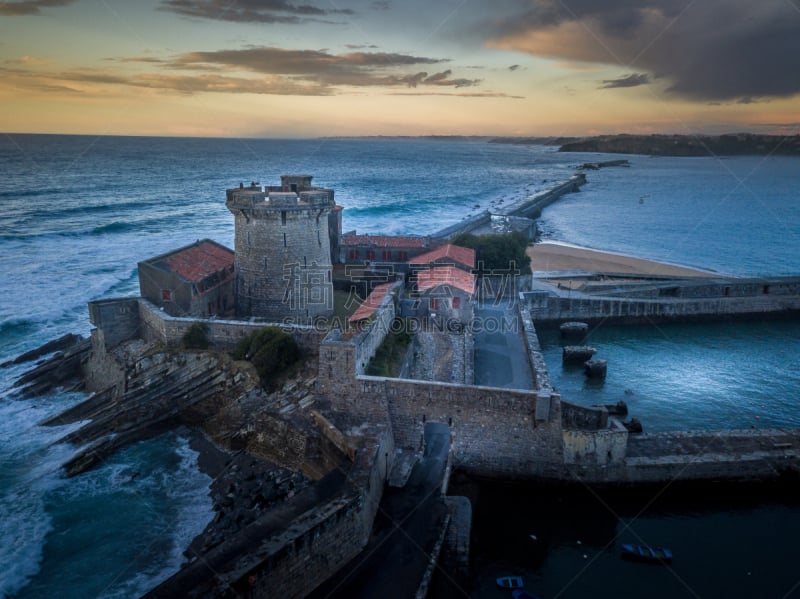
(283, 217)
(284, 240)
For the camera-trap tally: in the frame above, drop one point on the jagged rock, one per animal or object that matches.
(633, 425)
(62, 343)
(61, 370)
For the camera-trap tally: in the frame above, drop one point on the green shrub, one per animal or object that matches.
(495, 252)
(270, 350)
(196, 337)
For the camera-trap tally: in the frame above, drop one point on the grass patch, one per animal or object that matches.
(388, 359)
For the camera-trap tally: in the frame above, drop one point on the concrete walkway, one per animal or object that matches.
(501, 358)
(407, 526)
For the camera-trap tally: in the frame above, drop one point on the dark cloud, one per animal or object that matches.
(360, 46)
(361, 69)
(719, 50)
(261, 70)
(253, 11)
(29, 7)
(632, 80)
(513, 67)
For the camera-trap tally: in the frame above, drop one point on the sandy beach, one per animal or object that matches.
(549, 256)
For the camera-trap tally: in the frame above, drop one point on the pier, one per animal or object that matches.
(527, 208)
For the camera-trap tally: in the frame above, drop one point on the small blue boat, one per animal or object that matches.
(645, 553)
(510, 582)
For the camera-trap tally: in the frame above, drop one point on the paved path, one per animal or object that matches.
(501, 359)
(407, 526)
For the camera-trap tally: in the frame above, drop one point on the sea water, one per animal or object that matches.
(78, 212)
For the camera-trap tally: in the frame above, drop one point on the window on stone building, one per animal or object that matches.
(283, 217)
(456, 302)
(284, 240)
(370, 254)
(166, 295)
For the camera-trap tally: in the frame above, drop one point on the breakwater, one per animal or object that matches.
(529, 207)
(672, 301)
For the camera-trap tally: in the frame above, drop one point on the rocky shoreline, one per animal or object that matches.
(243, 488)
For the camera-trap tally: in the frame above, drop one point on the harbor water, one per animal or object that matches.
(78, 213)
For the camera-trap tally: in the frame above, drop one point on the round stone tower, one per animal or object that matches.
(283, 253)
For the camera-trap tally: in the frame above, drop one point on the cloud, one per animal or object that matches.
(252, 11)
(459, 94)
(184, 84)
(28, 61)
(705, 50)
(513, 67)
(258, 70)
(632, 80)
(29, 7)
(361, 69)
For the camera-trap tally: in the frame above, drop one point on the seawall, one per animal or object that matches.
(529, 207)
(549, 307)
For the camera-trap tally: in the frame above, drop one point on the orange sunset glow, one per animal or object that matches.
(362, 67)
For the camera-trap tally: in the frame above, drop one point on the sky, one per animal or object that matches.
(309, 68)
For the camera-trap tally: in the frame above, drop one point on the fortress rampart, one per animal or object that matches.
(767, 298)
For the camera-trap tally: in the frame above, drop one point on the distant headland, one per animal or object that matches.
(735, 144)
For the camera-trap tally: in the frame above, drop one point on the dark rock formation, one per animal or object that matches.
(633, 425)
(614, 409)
(63, 369)
(60, 344)
(740, 144)
(593, 166)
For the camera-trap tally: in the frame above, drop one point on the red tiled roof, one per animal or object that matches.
(446, 275)
(456, 253)
(385, 241)
(197, 261)
(372, 302)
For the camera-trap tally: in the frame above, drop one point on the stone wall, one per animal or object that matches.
(536, 361)
(495, 431)
(700, 288)
(546, 307)
(598, 448)
(317, 544)
(583, 418)
(159, 327)
(118, 319)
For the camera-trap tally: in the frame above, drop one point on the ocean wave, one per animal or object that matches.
(115, 227)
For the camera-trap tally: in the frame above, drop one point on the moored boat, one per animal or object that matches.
(510, 582)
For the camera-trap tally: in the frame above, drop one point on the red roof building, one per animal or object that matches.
(359, 249)
(196, 280)
(446, 275)
(373, 301)
(447, 254)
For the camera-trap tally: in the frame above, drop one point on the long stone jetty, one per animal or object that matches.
(529, 207)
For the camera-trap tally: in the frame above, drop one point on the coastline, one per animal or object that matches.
(556, 255)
